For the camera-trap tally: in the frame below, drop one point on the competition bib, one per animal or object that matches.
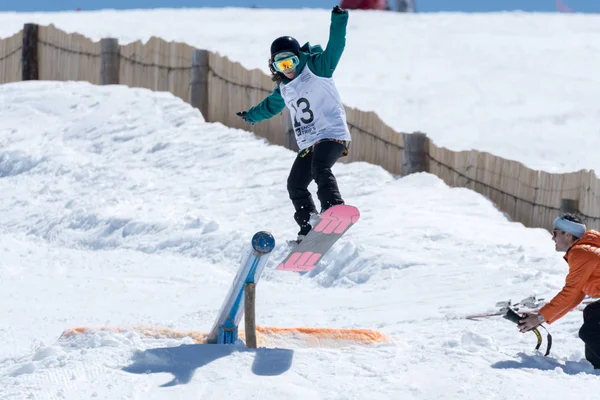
(315, 108)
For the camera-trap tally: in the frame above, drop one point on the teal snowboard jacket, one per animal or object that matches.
(321, 63)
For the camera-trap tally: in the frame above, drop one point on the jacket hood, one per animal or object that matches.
(307, 48)
(590, 238)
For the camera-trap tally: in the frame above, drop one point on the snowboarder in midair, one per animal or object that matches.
(305, 85)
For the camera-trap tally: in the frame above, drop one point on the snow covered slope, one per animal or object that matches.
(122, 207)
(521, 86)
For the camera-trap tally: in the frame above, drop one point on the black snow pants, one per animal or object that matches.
(314, 165)
(590, 333)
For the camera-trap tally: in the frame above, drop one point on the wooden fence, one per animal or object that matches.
(219, 88)
(10, 58)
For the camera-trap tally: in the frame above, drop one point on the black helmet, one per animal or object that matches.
(285, 43)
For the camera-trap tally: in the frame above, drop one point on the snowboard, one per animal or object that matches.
(328, 228)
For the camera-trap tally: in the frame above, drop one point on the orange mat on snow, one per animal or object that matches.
(265, 335)
(361, 336)
(150, 332)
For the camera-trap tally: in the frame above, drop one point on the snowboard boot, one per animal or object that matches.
(306, 228)
(312, 220)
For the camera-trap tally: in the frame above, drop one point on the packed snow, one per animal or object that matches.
(122, 208)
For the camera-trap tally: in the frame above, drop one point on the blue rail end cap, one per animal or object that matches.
(263, 242)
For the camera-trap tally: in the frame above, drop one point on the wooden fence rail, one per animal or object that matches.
(219, 88)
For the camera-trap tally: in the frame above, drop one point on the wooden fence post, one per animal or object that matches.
(569, 206)
(199, 81)
(249, 314)
(416, 151)
(110, 59)
(29, 53)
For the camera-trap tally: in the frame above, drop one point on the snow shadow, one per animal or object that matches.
(182, 361)
(547, 364)
(271, 362)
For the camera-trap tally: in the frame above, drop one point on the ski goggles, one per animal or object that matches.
(286, 64)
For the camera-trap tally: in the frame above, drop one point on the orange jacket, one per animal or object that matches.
(583, 278)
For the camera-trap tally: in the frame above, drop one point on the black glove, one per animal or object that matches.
(512, 316)
(339, 10)
(242, 115)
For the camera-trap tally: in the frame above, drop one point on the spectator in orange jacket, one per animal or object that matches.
(582, 249)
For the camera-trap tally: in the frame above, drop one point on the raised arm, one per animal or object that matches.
(324, 64)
